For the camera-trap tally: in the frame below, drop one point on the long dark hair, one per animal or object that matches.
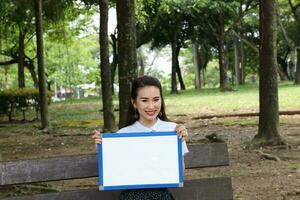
(138, 83)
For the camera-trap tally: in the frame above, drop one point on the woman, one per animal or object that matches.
(147, 114)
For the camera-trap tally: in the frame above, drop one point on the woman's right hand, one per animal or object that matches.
(97, 137)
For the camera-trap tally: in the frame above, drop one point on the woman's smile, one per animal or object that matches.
(151, 113)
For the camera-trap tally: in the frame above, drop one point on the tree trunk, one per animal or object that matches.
(141, 71)
(281, 69)
(268, 133)
(222, 62)
(203, 77)
(173, 75)
(203, 59)
(126, 54)
(297, 74)
(41, 71)
(21, 61)
(107, 101)
(242, 63)
(295, 12)
(283, 65)
(114, 63)
(236, 61)
(178, 71)
(30, 67)
(195, 52)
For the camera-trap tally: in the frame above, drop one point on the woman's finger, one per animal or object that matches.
(98, 141)
(181, 131)
(96, 134)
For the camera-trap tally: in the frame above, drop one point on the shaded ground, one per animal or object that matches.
(253, 177)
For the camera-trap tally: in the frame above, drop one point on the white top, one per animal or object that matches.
(160, 125)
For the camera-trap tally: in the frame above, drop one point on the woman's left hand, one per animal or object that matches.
(182, 132)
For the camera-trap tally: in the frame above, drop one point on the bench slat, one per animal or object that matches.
(201, 189)
(207, 155)
(205, 189)
(83, 166)
(59, 168)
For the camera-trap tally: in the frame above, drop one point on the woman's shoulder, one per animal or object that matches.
(129, 129)
(126, 129)
(167, 122)
(166, 125)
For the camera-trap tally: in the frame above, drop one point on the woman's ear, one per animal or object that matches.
(133, 103)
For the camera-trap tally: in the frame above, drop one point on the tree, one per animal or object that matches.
(295, 8)
(114, 62)
(220, 17)
(297, 74)
(268, 133)
(171, 28)
(127, 61)
(108, 109)
(17, 17)
(195, 51)
(41, 70)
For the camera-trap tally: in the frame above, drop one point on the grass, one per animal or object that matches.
(243, 99)
(86, 112)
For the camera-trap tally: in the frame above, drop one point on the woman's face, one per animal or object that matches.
(148, 104)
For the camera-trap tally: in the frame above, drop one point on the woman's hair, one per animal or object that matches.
(137, 84)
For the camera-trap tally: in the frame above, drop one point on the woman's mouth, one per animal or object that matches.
(150, 113)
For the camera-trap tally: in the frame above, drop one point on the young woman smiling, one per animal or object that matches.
(147, 114)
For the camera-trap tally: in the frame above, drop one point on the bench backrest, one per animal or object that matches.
(83, 166)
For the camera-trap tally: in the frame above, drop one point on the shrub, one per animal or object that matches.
(20, 100)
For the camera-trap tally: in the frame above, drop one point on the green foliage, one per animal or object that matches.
(23, 99)
(62, 21)
(73, 63)
(71, 40)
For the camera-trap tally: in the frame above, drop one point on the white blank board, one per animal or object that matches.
(140, 160)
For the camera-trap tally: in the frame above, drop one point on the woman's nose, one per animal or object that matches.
(151, 104)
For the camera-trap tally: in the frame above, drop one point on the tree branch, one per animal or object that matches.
(242, 14)
(289, 41)
(213, 30)
(245, 41)
(294, 9)
(28, 40)
(9, 62)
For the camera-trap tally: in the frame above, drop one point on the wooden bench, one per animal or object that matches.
(83, 166)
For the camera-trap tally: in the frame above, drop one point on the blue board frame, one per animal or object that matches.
(140, 134)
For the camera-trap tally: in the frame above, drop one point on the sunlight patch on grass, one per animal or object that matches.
(92, 123)
(294, 166)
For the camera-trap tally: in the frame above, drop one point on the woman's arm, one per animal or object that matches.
(182, 133)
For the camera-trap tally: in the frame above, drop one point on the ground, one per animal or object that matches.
(253, 176)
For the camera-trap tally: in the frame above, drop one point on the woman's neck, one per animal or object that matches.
(146, 123)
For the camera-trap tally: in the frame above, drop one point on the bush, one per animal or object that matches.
(20, 100)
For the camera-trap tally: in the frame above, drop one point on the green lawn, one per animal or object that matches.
(203, 101)
(243, 99)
